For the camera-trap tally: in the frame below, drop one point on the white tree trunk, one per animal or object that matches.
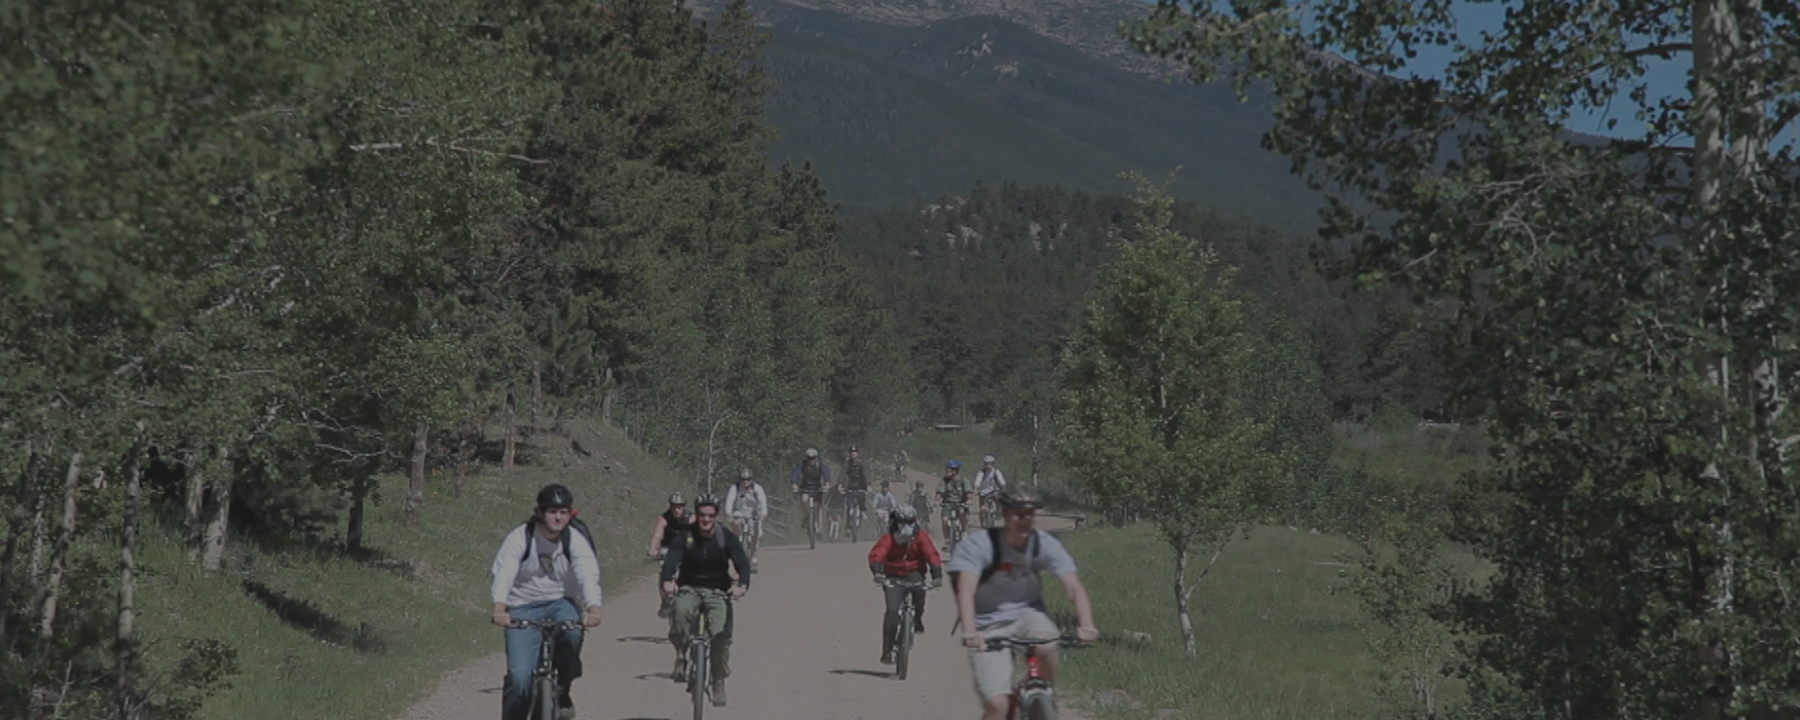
(1181, 600)
(193, 501)
(512, 431)
(59, 557)
(216, 529)
(125, 657)
(415, 488)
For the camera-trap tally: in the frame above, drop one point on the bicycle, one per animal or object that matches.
(811, 521)
(990, 510)
(1033, 697)
(543, 679)
(853, 511)
(954, 512)
(909, 614)
(699, 651)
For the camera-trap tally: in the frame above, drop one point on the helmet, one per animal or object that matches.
(953, 464)
(745, 474)
(677, 499)
(1021, 499)
(853, 448)
(812, 453)
(884, 484)
(554, 495)
(906, 513)
(706, 499)
(989, 459)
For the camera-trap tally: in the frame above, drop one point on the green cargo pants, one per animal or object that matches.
(717, 610)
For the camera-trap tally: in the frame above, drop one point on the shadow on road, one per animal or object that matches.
(883, 674)
(655, 639)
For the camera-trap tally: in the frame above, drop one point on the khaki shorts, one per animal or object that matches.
(752, 525)
(994, 668)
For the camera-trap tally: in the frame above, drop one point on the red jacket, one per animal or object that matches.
(902, 560)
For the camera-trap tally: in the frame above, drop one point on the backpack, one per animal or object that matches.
(995, 538)
(575, 524)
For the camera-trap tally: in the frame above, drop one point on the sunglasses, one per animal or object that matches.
(709, 514)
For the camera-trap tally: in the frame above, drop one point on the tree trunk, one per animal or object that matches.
(214, 554)
(462, 461)
(15, 529)
(1036, 461)
(537, 392)
(606, 396)
(415, 487)
(359, 493)
(1181, 600)
(125, 656)
(194, 500)
(512, 431)
(58, 557)
(38, 534)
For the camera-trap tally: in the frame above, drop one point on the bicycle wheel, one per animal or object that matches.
(812, 531)
(855, 522)
(1039, 706)
(543, 699)
(903, 640)
(699, 677)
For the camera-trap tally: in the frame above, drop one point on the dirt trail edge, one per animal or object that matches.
(808, 648)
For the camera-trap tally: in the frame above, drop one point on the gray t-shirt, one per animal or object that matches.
(1015, 586)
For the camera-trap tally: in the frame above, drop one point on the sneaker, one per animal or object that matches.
(887, 657)
(718, 693)
(565, 706)
(663, 610)
(679, 674)
(918, 625)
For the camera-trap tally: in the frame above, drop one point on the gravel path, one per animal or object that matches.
(807, 648)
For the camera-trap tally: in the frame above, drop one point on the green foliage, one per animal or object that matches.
(1610, 310)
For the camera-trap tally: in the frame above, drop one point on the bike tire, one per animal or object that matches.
(903, 640)
(1039, 706)
(700, 680)
(855, 522)
(812, 532)
(543, 700)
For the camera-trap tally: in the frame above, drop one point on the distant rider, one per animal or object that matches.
(856, 483)
(704, 558)
(809, 479)
(955, 495)
(747, 504)
(989, 482)
(905, 552)
(669, 525)
(538, 573)
(883, 504)
(1009, 601)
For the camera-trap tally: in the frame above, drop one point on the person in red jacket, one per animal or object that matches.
(905, 552)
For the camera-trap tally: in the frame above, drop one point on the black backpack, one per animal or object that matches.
(575, 524)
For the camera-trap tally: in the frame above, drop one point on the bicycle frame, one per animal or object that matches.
(542, 706)
(699, 650)
(903, 638)
(1030, 686)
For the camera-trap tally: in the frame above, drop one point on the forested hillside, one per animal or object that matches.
(265, 252)
(986, 286)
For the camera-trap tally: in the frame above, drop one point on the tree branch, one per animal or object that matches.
(378, 147)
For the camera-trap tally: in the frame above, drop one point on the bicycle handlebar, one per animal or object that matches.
(1001, 643)
(702, 592)
(547, 625)
(903, 583)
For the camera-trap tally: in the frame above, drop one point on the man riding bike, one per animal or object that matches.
(856, 483)
(920, 502)
(704, 557)
(669, 525)
(538, 573)
(883, 504)
(809, 480)
(955, 495)
(904, 553)
(999, 595)
(747, 504)
(989, 483)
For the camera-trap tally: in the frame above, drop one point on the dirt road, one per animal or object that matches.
(808, 648)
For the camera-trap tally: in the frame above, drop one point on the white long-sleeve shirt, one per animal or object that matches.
(517, 583)
(758, 501)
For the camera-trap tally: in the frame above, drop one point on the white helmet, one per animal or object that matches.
(989, 459)
(812, 453)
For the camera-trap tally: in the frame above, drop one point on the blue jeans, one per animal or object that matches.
(522, 654)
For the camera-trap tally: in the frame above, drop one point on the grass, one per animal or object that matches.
(1274, 640)
(319, 633)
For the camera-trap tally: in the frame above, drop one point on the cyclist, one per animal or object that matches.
(883, 504)
(955, 495)
(544, 589)
(809, 479)
(704, 558)
(748, 505)
(856, 483)
(999, 594)
(989, 482)
(669, 525)
(905, 552)
(921, 502)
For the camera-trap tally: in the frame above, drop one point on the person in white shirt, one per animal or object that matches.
(542, 569)
(884, 503)
(748, 505)
(989, 483)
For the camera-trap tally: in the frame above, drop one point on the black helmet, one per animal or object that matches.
(554, 495)
(1021, 498)
(706, 499)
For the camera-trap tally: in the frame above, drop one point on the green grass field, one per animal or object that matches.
(1274, 640)
(319, 634)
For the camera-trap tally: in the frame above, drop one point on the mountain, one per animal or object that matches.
(896, 102)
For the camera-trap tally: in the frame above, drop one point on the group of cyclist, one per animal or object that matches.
(998, 591)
